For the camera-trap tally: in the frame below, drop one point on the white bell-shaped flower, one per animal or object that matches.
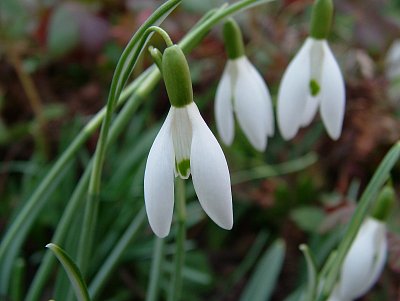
(185, 145)
(242, 90)
(312, 80)
(364, 262)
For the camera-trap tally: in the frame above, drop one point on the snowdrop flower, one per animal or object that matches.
(364, 262)
(184, 146)
(243, 91)
(313, 80)
(366, 257)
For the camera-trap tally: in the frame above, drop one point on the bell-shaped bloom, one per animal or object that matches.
(312, 80)
(242, 90)
(364, 262)
(184, 146)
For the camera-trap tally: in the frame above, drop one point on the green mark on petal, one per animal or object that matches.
(183, 168)
(314, 87)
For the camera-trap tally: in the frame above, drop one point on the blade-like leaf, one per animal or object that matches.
(72, 271)
(263, 280)
(312, 281)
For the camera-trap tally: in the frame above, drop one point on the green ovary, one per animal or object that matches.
(183, 168)
(314, 87)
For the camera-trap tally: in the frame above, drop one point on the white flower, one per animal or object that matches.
(312, 79)
(186, 145)
(364, 261)
(243, 91)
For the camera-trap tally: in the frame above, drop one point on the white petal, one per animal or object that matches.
(293, 92)
(181, 130)
(252, 104)
(333, 96)
(260, 83)
(360, 264)
(223, 106)
(381, 249)
(210, 172)
(310, 110)
(159, 181)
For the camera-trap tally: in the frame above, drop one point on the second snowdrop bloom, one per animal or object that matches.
(242, 91)
(313, 80)
(185, 145)
(364, 261)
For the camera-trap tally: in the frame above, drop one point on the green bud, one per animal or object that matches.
(321, 19)
(384, 204)
(176, 75)
(233, 39)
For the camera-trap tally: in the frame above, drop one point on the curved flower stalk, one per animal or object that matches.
(242, 90)
(313, 80)
(185, 145)
(363, 263)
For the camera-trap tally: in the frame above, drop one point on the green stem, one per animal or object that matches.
(176, 283)
(156, 268)
(162, 33)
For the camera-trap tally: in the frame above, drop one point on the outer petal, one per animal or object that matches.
(363, 263)
(223, 106)
(210, 172)
(333, 96)
(159, 181)
(252, 104)
(381, 249)
(293, 92)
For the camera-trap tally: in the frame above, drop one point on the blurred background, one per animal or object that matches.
(56, 63)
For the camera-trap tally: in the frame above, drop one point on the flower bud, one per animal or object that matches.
(321, 19)
(233, 39)
(365, 260)
(176, 75)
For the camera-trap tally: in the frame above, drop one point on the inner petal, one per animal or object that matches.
(316, 59)
(182, 140)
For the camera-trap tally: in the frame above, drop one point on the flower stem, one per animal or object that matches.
(176, 283)
(163, 34)
(156, 269)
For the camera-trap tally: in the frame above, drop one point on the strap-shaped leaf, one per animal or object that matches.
(72, 271)
(312, 281)
(263, 280)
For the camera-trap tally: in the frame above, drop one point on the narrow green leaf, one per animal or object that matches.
(312, 282)
(72, 271)
(263, 280)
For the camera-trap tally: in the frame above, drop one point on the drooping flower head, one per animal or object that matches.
(366, 257)
(242, 90)
(185, 145)
(313, 80)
